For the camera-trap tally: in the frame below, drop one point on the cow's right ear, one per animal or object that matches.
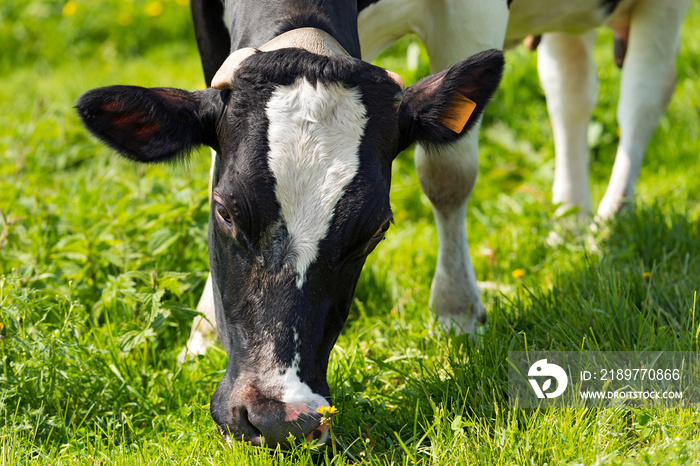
(151, 124)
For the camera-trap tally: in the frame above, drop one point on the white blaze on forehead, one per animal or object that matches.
(314, 135)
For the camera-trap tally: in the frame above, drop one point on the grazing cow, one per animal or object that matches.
(305, 133)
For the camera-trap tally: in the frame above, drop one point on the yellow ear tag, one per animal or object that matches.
(459, 113)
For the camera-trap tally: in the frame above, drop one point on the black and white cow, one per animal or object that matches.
(304, 134)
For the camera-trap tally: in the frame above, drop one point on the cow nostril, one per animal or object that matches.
(482, 318)
(318, 434)
(248, 428)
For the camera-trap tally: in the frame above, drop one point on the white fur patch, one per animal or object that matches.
(286, 380)
(314, 136)
(295, 391)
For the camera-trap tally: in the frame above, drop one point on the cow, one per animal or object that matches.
(303, 134)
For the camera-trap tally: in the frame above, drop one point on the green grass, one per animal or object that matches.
(102, 262)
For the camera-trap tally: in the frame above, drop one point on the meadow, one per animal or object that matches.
(102, 262)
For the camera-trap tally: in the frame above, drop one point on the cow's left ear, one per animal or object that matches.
(442, 107)
(151, 124)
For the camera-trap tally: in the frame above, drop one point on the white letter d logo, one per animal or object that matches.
(542, 369)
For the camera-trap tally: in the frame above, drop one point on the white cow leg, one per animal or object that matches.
(452, 31)
(648, 81)
(203, 333)
(447, 176)
(568, 77)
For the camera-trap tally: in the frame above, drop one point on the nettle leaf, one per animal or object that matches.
(150, 302)
(173, 282)
(160, 320)
(133, 338)
(180, 311)
(114, 256)
(160, 240)
(139, 275)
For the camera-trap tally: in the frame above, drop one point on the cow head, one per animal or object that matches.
(300, 197)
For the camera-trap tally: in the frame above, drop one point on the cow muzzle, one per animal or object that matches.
(262, 421)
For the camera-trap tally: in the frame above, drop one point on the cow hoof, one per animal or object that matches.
(456, 300)
(462, 324)
(196, 345)
(608, 209)
(570, 224)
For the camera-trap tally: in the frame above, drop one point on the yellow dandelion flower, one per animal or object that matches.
(646, 276)
(69, 8)
(182, 2)
(518, 273)
(327, 410)
(154, 9)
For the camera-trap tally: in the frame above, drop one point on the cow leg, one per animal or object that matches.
(568, 76)
(381, 23)
(648, 81)
(447, 174)
(447, 177)
(203, 333)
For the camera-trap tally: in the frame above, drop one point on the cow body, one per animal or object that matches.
(541, 16)
(303, 145)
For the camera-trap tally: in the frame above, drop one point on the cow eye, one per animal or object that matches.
(223, 213)
(382, 231)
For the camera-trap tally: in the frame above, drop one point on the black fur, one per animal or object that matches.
(213, 37)
(284, 66)
(362, 4)
(255, 22)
